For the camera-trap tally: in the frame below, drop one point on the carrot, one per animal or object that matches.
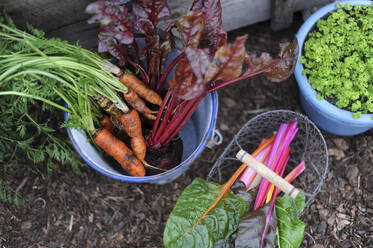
(138, 145)
(132, 125)
(107, 123)
(137, 103)
(108, 106)
(132, 82)
(119, 151)
(149, 116)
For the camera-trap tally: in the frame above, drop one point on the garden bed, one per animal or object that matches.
(92, 210)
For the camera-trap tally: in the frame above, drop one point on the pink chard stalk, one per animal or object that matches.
(207, 62)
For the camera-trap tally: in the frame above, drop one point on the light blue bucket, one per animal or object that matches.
(196, 134)
(325, 115)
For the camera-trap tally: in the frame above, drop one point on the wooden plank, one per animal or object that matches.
(48, 15)
(67, 19)
(281, 14)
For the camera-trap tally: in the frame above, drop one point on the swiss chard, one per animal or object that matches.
(290, 229)
(251, 226)
(217, 225)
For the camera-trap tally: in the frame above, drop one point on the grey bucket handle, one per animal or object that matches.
(216, 139)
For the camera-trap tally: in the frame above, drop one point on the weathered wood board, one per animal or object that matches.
(66, 18)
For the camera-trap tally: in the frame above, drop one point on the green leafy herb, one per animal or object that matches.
(290, 230)
(338, 58)
(217, 226)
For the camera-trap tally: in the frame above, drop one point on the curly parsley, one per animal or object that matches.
(338, 58)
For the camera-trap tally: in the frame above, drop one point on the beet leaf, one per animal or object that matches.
(227, 62)
(152, 10)
(213, 36)
(190, 28)
(116, 26)
(184, 83)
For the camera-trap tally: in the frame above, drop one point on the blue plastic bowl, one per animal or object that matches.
(324, 114)
(195, 135)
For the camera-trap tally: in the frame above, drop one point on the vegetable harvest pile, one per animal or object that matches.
(211, 215)
(104, 99)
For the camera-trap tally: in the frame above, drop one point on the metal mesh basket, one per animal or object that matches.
(308, 145)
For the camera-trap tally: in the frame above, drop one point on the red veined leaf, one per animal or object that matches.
(147, 28)
(120, 2)
(164, 50)
(190, 28)
(285, 62)
(185, 84)
(214, 35)
(151, 36)
(153, 10)
(227, 62)
(255, 64)
(199, 62)
(114, 20)
(115, 49)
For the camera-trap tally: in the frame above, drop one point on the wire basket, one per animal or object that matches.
(308, 145)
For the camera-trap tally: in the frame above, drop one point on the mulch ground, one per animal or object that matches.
(90, 210)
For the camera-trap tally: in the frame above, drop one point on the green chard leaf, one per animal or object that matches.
(218, 225)
(290, 229)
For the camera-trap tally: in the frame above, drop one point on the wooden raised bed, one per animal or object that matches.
(66, 19)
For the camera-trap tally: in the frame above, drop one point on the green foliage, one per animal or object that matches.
(338, 58)
(290, 229)
(217, 226)
(30, 130)
(7, 194)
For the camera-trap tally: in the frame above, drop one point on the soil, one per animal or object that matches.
(91, 210)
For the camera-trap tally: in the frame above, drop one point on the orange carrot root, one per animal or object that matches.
(132, 82)
(138, 145)
(107, 123)
(137, 103)
(120, 152)
(132, 125)
(149, 116)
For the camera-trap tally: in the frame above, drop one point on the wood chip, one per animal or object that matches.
(352, 173)
(324, 214)
(229, 102)
(341, 143)
(331, 220)
(338, 153)
(342, 223)
(26, 225)
(70, 228)
(316, 246)
(342, 216)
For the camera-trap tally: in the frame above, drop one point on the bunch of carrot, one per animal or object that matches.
(82, 80)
